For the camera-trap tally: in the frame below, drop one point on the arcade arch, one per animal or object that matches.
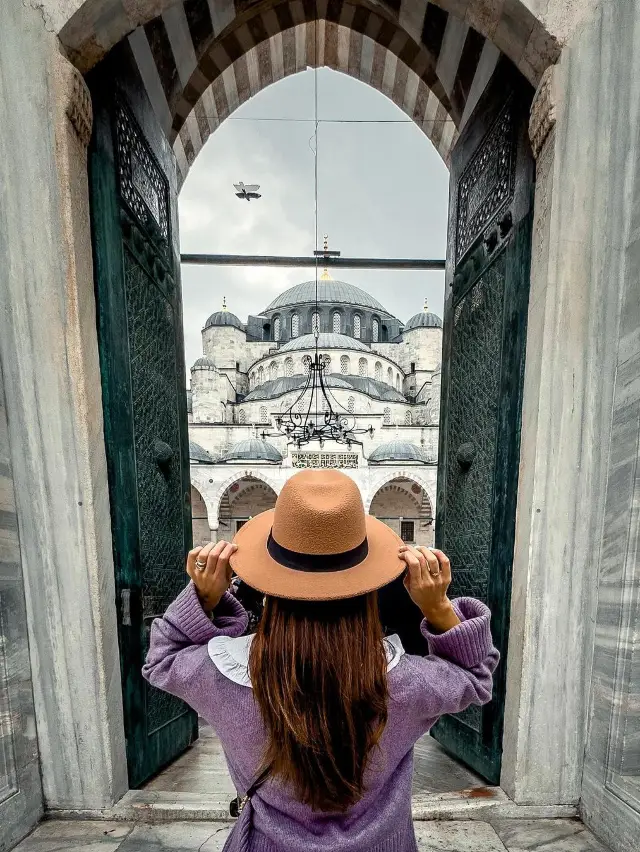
(242, 499)
(201, 532)
(404, 505)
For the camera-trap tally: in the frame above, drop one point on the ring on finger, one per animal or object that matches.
(433, 573)
(200, 565)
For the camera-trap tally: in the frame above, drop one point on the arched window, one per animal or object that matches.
(390, 376)
(378, 371)
(386, 417)
(276, 328)
(326, 360)
(351, 405)
(288, 367)
(345, 365)
(260, 375)
(315, 321)
(252, 380)
(295, 325)
(306, 363)
(356, 326)
(242, 417)
(337, 323)
(362, 367)
(264, 417)
(407, 418)
(397, 381)
(273, 370)
(375, 330)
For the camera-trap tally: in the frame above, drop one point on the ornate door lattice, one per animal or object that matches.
(483, 360)
(141, 353)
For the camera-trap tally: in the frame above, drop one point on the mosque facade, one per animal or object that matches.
(381, 374)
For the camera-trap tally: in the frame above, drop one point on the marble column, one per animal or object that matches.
(48, 348)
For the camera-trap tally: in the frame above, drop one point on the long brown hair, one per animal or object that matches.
(319, 675)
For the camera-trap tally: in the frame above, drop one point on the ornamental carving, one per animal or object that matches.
(324, 460)
(143, 184)
(487, 184)
(543, 111)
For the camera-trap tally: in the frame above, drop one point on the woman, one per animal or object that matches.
(317, 713)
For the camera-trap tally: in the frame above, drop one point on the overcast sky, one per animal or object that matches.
(383, 192)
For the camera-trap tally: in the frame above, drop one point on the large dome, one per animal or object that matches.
(326, 340)
(334, 292)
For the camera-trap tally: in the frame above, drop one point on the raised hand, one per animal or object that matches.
(427, 579)
(210, 571)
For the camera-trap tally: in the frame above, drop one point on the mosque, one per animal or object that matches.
(381, 373)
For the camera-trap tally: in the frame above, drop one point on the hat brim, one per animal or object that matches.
(253, 563)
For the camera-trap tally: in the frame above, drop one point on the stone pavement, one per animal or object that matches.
(503, 835)
(203, 769)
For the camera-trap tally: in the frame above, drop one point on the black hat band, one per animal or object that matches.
(317, 562)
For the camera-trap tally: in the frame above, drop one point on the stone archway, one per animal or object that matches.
(426, 482)
(404, 505)
(199, 61)
(245, 497)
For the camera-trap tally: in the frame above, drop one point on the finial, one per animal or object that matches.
(426, 305)
(224, 303)
(325, 275)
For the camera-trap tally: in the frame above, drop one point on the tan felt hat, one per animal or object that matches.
(317, 543)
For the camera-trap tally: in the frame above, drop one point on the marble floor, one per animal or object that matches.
(506, 835)
(202, 769)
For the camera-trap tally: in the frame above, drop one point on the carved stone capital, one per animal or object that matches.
(543, 111)
(75, 97)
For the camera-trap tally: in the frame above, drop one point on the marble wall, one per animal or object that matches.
(20, 790)
(607, 50)
(49, 355)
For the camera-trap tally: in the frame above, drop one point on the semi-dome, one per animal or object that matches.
(326, 340)
(253, 449)
(394, 451)
(334, 292)
(199, 454)
(273, 388)
(224, 317)
(425, 319)
(204, 363)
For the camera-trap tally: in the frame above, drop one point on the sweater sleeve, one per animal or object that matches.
(458, 671)
(178, 644)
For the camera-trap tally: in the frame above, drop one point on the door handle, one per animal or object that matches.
(465, 455)
(163, 453)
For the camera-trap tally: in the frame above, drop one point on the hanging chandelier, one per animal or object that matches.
(318, 420)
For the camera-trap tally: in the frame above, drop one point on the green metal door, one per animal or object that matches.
(136, 261)
(486, 300)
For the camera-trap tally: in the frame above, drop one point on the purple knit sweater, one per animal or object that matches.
(456, 672)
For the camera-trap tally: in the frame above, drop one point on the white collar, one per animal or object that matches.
(231, 656)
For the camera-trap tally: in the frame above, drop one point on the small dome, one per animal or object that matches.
(398, 451)
(224, 317)
(334, 292)
(253, 449)
(425, 319)
(326, 340)
(199, 454)
(204, 363)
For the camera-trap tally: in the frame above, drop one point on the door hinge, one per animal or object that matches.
(125, 607)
